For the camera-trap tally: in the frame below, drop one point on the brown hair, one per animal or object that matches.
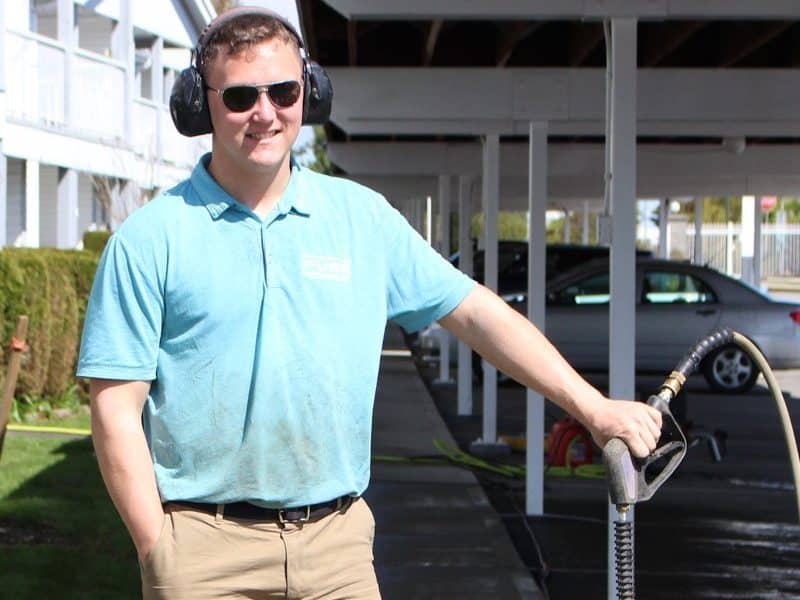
(242, 33)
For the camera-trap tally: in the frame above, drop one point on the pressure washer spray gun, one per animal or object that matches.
(632, 480)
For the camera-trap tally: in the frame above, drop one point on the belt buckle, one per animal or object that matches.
(303, 519)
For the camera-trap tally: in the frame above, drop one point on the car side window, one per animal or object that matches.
(661, 287)
(592, 290)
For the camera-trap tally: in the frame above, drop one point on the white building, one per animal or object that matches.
(84, 91)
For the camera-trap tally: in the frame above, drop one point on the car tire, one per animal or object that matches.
(730, 370)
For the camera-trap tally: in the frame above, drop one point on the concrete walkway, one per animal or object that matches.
(437, 536)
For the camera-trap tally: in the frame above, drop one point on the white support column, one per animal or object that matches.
(537, 248)
(419, 215)
(3, 188)
(622, 329)
(67, 207)
(567, 232)
(747, 239)
(444, 215)
(491, 201)
(698, 232)
(429, 220)
(68, 35)
(31, 204)
(465, 264)
(585, 231)
(123, 50)
(757, 243)
(444, 250)
(663, 219)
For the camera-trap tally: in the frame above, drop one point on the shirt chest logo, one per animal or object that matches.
(330, 268)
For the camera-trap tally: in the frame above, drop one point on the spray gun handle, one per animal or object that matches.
(630, 480)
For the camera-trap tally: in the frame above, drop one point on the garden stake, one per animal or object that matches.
(18, 346)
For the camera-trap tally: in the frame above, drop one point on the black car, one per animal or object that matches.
(512, 262)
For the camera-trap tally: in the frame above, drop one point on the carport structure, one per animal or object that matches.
(694, 98)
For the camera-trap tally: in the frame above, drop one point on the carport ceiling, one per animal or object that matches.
(376, 38)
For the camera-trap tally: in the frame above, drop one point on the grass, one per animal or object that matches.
(60, 536)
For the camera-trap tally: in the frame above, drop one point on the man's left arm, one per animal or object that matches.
(515, 346)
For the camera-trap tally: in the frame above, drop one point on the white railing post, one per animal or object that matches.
(67, 35)
(123, 50)
(465, 264)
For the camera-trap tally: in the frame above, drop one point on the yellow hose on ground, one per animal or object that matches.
(48, 429)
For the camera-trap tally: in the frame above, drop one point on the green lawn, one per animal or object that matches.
(60, 536)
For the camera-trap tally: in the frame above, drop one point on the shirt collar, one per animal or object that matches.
(217, 200)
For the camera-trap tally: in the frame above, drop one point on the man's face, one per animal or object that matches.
(258, 140)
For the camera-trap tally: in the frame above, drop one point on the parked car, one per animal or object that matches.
(677, 304)
(512, 262)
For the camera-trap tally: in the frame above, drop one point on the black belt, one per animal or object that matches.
(300, 514)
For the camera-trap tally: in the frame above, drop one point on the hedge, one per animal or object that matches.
(95, 241)
(52, 288)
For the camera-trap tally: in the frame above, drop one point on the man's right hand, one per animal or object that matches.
(148, 540)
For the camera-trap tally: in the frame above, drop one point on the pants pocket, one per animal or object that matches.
(154, 561)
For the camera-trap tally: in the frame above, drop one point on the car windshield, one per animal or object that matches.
(670, 287)
(592, 290)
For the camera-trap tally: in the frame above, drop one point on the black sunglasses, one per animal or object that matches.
(239, 98)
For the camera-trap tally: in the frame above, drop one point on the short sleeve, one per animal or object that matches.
(422, 286)
(122, 330)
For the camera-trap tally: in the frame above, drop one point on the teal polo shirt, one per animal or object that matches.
(261, 337)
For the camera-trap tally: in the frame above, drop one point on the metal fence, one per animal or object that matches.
(722, 248)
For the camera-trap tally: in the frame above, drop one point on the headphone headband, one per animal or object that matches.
(234, 13)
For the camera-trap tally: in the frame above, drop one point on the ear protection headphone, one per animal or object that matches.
(188, 103)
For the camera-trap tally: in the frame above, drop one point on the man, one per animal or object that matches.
(233, 338)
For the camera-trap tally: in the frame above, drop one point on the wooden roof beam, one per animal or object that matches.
(352, 43)
(510, 38)
(583, 40)
(430, 41)
(665, 40)
(745, 41)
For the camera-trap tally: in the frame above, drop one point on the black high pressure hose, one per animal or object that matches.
(626, 478)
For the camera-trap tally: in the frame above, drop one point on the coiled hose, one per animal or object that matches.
(623, 529)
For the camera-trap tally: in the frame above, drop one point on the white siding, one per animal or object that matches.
(15, 197)
(48, 205)
(17, 14)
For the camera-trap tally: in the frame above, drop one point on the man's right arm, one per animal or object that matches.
(124, 457)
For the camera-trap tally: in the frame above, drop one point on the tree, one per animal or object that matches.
(314, 154)
(223, 5)
(511, 225)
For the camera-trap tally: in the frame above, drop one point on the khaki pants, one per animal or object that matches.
(199, 556)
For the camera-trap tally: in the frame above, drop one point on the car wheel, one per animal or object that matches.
(729, 369)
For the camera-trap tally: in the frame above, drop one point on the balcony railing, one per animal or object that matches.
(98, 95)
(37, 90)
(145, 126)
(178, 149)
(35, 79)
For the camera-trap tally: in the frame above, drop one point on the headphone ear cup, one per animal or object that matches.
(317, 94)
(188, 104)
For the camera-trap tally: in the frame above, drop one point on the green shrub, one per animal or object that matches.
(52, 288)
(95, 241)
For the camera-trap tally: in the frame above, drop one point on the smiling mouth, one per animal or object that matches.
(261, 136)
